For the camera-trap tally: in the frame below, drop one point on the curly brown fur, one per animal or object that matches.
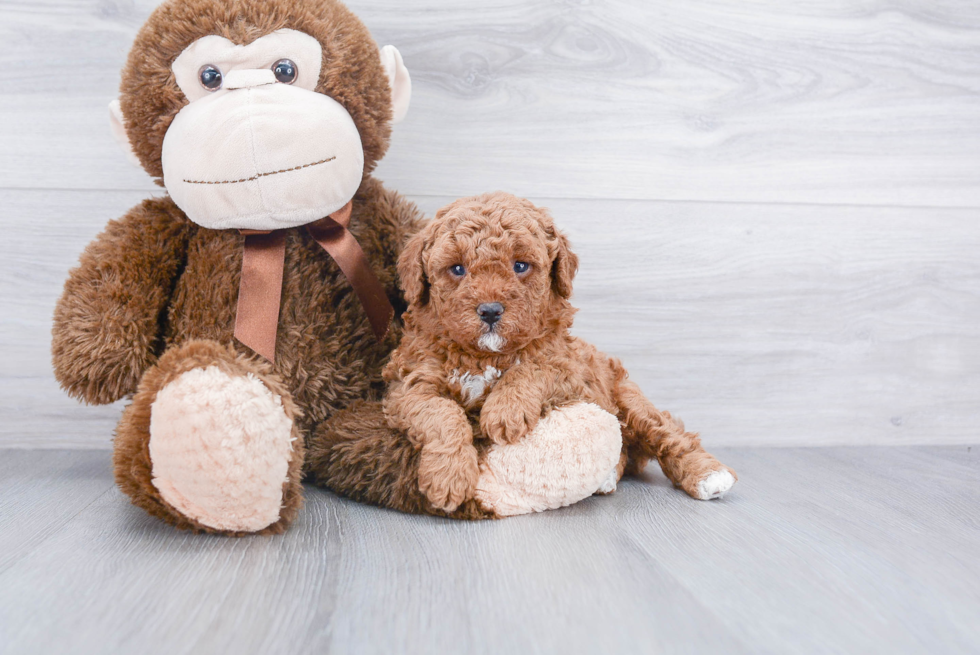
(357, 454)
(542, 365)
(153, 281)
(131, 458)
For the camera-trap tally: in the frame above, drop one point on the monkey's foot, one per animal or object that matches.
(572, 453)
(209, 443)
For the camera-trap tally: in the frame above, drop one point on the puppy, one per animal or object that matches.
(486, 353)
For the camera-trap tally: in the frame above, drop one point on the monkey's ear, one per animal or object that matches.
(564, 267)
(399, 80)
(118, 128)
(411, 272)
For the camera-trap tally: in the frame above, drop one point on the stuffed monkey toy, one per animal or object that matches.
(252, 301)
(255, 300)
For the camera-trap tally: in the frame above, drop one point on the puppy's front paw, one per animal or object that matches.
(506, 419)
(448, 477)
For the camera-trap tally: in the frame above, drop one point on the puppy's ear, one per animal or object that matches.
(411, 271)
(564, 267)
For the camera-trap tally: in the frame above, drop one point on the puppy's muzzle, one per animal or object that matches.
(490, 312)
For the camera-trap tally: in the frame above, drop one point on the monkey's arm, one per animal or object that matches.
(107, 323)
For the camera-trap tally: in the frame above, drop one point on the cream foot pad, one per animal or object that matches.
(568, 456)
(220, 447)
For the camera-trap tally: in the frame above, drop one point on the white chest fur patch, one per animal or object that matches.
(474, 386)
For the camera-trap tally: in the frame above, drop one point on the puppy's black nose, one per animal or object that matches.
(490, 312)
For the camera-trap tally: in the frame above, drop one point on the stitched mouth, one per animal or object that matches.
(255, 177)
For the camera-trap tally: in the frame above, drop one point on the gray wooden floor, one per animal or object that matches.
(819, 550)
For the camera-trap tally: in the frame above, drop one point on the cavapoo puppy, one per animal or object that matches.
(485, 357)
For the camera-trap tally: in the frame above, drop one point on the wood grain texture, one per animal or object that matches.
(824, 102)
(39, 495)
(816, 551)
(757, 324)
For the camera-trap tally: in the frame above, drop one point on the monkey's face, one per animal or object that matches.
(258, 115)
(256, 146)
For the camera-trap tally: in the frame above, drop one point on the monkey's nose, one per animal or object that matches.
(245, 78)
(490, 312)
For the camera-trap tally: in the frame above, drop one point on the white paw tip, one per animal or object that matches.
(608, 485)
(715, 485)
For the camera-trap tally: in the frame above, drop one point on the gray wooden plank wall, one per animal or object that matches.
(776, 205)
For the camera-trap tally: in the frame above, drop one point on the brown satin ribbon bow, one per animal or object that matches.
(260, 289)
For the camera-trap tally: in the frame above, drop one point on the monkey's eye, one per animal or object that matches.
(457, 270)
(285, 71)
(521, 267)
(210, 77)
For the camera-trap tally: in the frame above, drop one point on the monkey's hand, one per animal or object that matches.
(107, 322)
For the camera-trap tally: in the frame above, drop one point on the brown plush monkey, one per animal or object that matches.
(263, 119)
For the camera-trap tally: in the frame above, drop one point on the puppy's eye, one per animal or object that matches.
(210, 77)
(521, 267)
(457, 270)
